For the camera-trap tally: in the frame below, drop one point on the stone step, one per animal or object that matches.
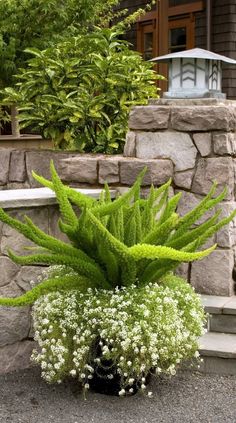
(222, 313)
(219, 305)
(225, 323)
(218, 351)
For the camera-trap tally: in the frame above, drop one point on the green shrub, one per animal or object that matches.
(79, 93)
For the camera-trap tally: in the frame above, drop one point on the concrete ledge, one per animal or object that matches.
(214, 344)
(37, 197)
(214, 304)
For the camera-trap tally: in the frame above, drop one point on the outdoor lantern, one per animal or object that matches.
(194, 73)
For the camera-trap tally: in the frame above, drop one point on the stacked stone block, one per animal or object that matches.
(199, 137)
(16, 335)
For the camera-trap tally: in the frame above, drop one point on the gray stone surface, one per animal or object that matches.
(130, 144)
(224, 143)
(219, 366)
(184, 179)
(218, 344)
(108, 171)
(8, 270)
(26, 275)
(54, 230)
(213, 274)
(218, 169)
(14, 322)
(39, 162)
(188, 201)
(11, 239)
(79, 169)
(222, 323)
(230, 306)
(149, 117)
(173, 145)
(16, 356)
(214, 304)
(226, 237)
(183, 270)
(158, 171)
(17, 171)
(199, 118)
(203, 143)
(4, 165)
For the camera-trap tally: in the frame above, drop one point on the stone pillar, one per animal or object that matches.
(199, 137)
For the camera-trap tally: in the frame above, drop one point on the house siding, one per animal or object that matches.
(223, 35)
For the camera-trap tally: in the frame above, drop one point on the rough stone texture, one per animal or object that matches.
(16, 356)
(183, 270)
(4, 165)
(159, 171)
(224, 143)
(17, 185)
(17, 171)
(188, 201)
(172, 145)
(28, 274)
(79, 169)
(213, 274)
(226, 237)
(54, 215)
(184, 179)
(198, 118)
(14, 322)
(8, 270)
(130, 144)
(108, 171)
(39, 162)
(14, 240)
(203, 143)
(149, 117)
(218, 169)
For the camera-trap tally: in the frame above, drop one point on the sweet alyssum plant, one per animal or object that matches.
(110, 293)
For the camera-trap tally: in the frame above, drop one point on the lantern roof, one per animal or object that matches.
(195, 53)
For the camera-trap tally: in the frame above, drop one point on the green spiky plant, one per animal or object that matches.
(115, 243)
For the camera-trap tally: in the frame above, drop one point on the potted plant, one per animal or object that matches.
(109, 310)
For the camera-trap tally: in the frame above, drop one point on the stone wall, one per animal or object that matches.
(198, 137)
(82, 170)
(16, 336)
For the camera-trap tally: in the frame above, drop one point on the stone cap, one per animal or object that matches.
(191, 102)
(37, 197)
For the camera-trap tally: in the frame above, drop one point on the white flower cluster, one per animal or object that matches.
(140, 330)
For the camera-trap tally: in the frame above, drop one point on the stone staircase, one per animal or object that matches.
(218, 345)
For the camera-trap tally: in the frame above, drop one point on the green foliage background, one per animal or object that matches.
(79, 93)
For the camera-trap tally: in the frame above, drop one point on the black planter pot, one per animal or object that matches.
(103, 384)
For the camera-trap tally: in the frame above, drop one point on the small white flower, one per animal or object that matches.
(73, 372)
(121, 392)
(86, 385)
(150, 394)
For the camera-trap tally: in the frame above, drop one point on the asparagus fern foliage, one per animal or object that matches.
(127, 241)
